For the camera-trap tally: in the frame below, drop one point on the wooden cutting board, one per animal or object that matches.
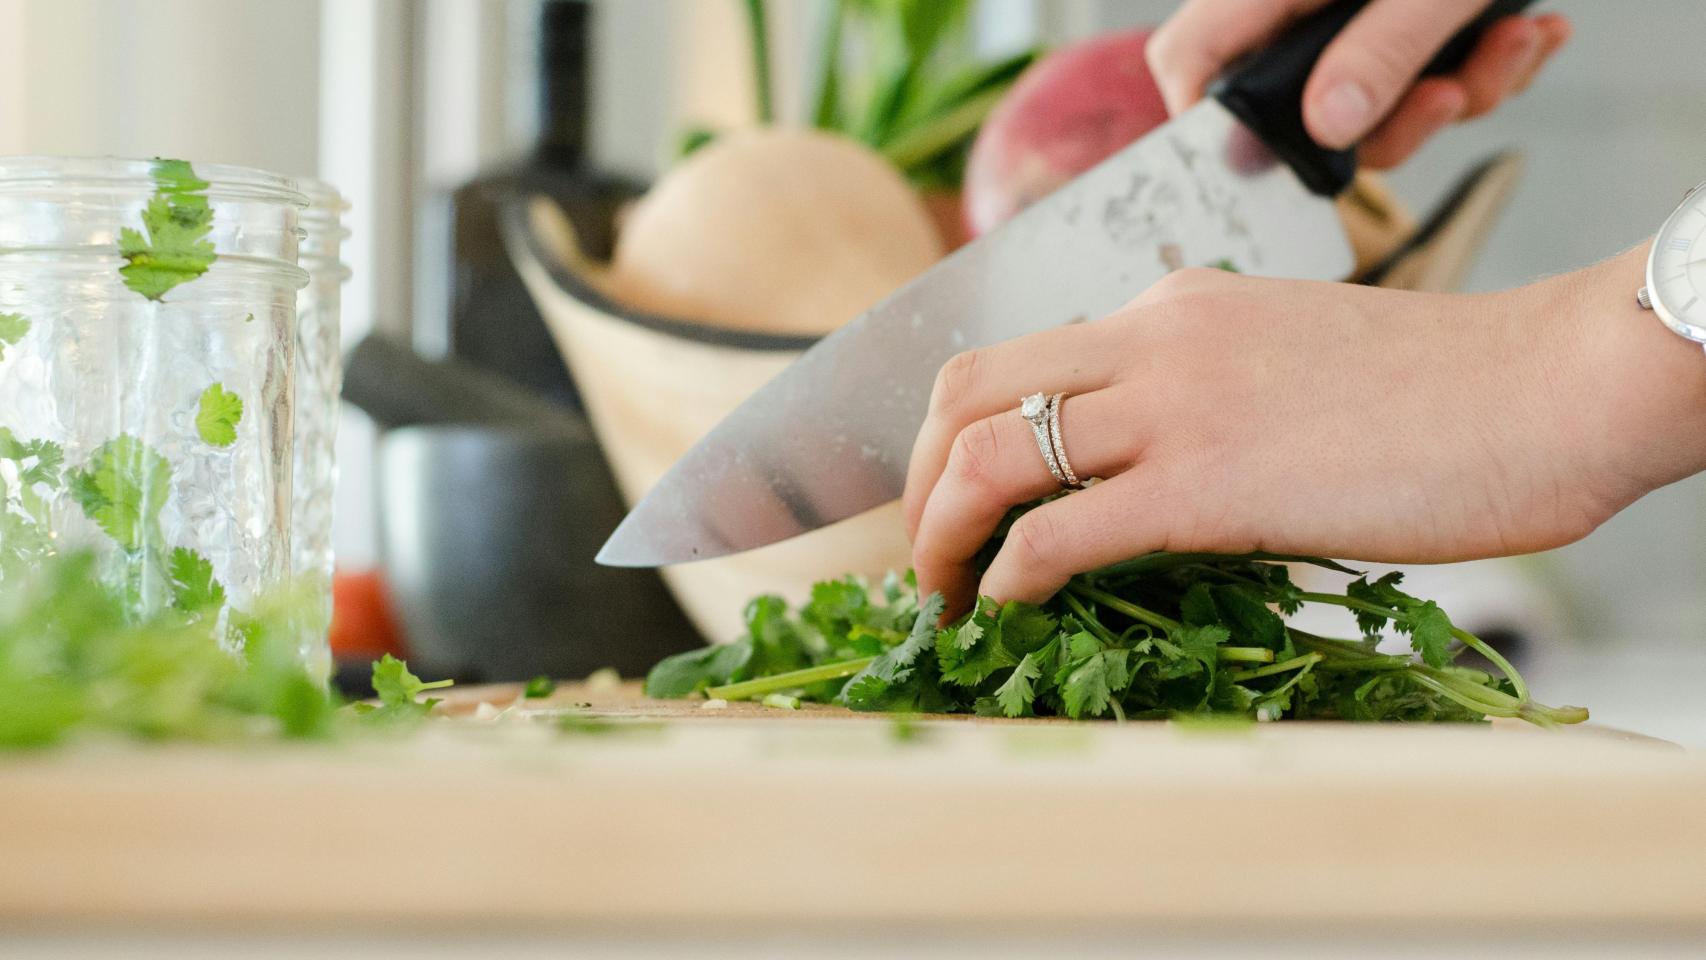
(683, 817)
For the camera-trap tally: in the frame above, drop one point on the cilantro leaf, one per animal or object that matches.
(1201, 644)
(1430, 633)
(398, 690)
(1016, 694)
(1248, 618)
(177, 220)
(217, 415)
(685, 674)
(539, 688)
(1383, 592)
(193, 584)
(48, 457)
(904, 678)
(1025, 627)
(1090, 687)
(122, 489)
(1197, 607)
(970, 652)
(13, 327)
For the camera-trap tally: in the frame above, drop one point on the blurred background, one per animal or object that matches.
(409, 106)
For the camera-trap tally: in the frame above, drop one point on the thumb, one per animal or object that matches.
(1369, 67)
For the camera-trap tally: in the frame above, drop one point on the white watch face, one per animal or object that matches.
(1676, 272)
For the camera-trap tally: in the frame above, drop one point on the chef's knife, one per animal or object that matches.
(1234, 181)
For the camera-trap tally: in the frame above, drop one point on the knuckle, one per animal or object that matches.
(1161, 53)
(1036, 541)
(955, 381)
(1390, 66)
(977, 450)
(1184, 282)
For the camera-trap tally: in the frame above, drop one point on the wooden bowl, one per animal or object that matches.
(652, 387)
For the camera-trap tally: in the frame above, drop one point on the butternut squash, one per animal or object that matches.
(780, 231)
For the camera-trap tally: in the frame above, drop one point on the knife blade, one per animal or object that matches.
(1234, 181)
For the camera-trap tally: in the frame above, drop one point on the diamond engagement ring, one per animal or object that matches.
(1043, 414)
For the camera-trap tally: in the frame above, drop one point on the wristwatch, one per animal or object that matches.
(1676, 270)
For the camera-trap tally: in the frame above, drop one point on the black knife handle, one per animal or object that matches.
(1265, 91)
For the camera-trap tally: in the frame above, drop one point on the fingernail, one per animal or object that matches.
(1346, 113)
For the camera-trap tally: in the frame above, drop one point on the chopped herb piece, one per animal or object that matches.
(217, 415)
(13, 327)
(539, 688)
(397, 690)
(177, 221)
(193, 585)
(122, 489)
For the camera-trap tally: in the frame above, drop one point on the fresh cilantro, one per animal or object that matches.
(13, 327)
(539, 688)
(122, 489)
(193, 584)
(907, 677)
(1430, 633)
(689, 673)
(1016, 693)
(398, 692)
(177, 221)
(77, 660)
(1382, 593)
(26, 529)
(217, 415)
(1092, 682)
(1162, 635)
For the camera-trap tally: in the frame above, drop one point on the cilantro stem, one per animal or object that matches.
(748, 689)
(1090, 622)
(1448, 682)
(1284, 666)
(1126, 607)
(1245, 655)
(1481, 646)
(1465, 637)
(1295, 679)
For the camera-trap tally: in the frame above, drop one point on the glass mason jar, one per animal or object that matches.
(319, 381)
(147, 350)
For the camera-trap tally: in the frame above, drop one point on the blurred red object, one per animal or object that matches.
(363, 623)
(1073, 109)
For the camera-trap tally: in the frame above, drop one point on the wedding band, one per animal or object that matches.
(1065, 476)
(1034, 409)
(1043, 414)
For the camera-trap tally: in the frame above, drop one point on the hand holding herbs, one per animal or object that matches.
(1227, 413)
(1159, 636)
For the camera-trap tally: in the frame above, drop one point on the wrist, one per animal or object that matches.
(1642, 408)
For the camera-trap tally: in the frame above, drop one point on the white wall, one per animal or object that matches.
(232, 81)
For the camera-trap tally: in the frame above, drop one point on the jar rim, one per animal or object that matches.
(225, 181)
(323, 220)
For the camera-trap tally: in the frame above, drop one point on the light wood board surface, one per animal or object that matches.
(683, 817)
